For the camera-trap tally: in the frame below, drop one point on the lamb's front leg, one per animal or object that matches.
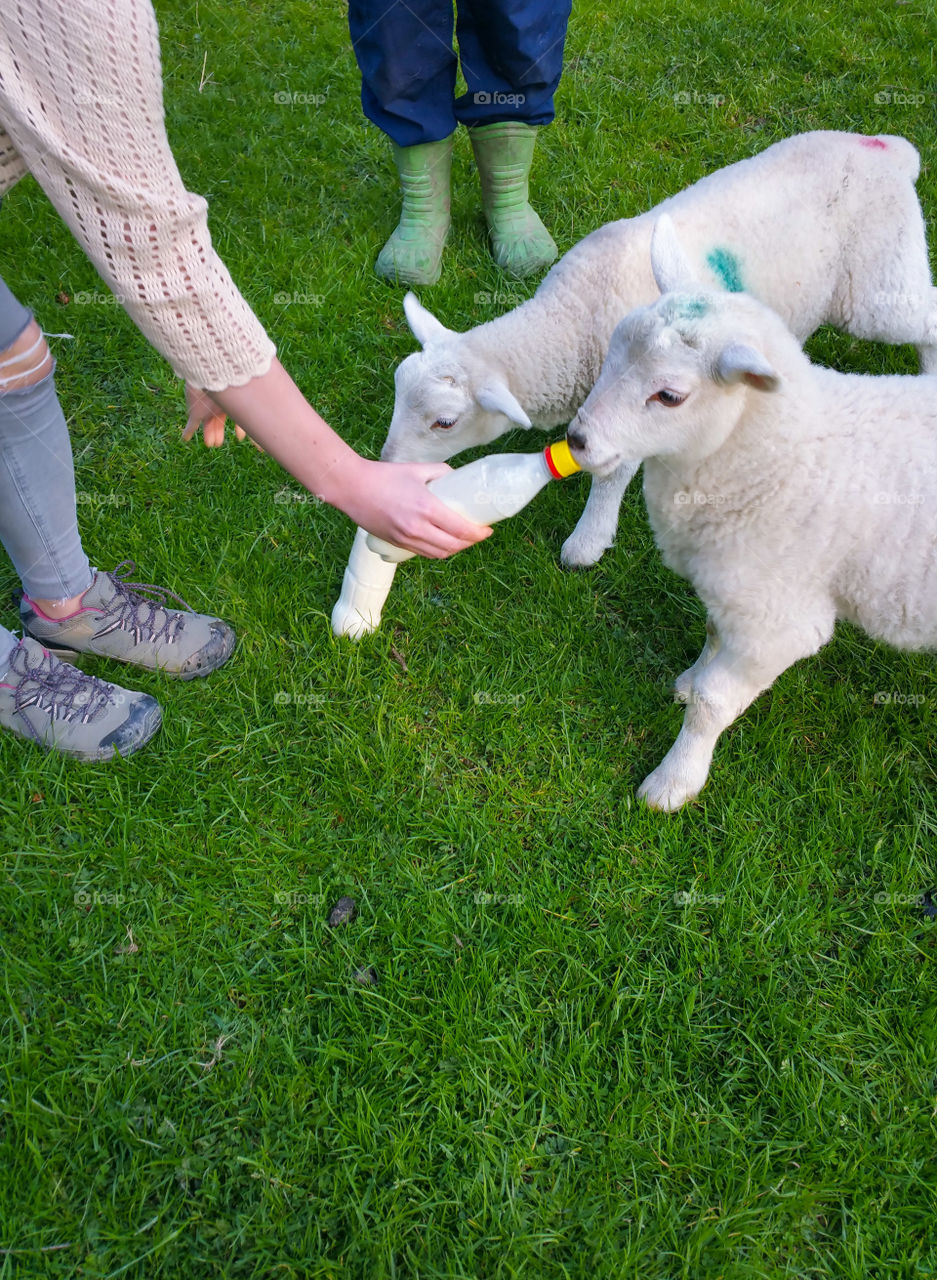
(720, 692)
(927, 350)
(731, 679)
(684, 682)
(598, 524)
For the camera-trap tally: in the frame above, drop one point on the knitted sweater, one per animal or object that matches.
(81, 108)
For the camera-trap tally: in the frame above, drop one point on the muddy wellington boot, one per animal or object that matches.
(520, 243)
(413, 254)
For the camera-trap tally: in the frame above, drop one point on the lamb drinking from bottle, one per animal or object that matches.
(789, 495)
(824, 227)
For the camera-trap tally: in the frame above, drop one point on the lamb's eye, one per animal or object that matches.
(667, 397)
(444, 423)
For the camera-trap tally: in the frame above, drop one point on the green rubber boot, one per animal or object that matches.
(413, 254)
(520, 243)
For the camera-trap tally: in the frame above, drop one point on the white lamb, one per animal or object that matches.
(823, 227)
(789, 495)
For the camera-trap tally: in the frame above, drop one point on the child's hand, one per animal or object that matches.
(205, 413)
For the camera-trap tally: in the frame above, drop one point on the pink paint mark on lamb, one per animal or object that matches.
(877, 144)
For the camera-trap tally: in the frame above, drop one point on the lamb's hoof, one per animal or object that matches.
(581, 551)
(665, 791)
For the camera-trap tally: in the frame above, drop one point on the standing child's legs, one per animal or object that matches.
(511, 53)
(408, 70)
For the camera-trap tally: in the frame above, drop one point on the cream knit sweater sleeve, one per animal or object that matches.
(81, 108)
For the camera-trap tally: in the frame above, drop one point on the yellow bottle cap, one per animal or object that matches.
(560, 461)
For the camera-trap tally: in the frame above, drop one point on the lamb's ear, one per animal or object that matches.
(739, 362)
(496, 397)
(423, 324)
(669, 262)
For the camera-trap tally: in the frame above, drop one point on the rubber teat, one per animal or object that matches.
(560, 461)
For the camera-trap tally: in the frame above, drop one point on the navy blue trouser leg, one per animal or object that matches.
(408, 67)
(511, 54)
(512, 58)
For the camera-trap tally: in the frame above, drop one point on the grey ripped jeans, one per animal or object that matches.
(38, 514)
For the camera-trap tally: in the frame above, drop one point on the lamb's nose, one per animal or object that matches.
(576, 438)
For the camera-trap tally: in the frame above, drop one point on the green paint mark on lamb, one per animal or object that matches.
(725, 266)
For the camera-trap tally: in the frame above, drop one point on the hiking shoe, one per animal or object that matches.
(116, 620)
(63, 709)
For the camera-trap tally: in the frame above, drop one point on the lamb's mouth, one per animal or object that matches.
(580, 435)
(601, 468)
(605, 469)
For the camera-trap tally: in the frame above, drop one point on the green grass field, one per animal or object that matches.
(601, 1042)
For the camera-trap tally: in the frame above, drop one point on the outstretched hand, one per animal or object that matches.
(391, 499)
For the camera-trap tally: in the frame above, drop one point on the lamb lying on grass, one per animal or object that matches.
(789, 495)
(823, 227)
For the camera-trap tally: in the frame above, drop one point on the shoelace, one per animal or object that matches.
(133, 612)
(56, 687)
